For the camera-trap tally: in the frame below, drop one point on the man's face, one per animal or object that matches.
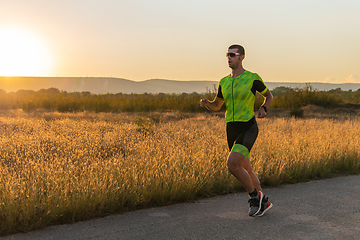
(234, 61)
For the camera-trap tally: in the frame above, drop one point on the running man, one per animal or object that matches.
(237, 91)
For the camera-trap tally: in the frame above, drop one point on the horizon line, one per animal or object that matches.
(168, 79)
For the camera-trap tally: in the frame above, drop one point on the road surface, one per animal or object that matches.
(322, 209)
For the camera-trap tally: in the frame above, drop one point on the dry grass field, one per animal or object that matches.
(58, 168)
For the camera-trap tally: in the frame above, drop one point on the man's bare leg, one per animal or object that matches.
(234, 163)
(254, 179)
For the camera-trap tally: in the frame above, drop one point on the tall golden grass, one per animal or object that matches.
(60, 168)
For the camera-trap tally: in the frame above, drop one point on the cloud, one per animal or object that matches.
(353, 79)
(331, 80)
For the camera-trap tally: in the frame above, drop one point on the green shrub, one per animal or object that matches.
(53, 99)
(28, 107)
(326, 99)
(297, 113)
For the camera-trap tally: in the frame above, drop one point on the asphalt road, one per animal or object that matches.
(322, 209)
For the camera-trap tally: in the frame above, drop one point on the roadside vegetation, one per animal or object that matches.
(68, 157)
(65, 167)
(291, 100)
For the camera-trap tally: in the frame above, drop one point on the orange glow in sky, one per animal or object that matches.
(285, 41)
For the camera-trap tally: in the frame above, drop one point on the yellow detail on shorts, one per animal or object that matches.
(241, 149)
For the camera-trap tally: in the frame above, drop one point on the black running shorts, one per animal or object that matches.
(241, 136)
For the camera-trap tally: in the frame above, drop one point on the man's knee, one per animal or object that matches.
(234, 160)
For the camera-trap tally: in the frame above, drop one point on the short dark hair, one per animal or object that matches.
(240, 49)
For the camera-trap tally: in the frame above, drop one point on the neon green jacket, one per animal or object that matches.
(239, 95)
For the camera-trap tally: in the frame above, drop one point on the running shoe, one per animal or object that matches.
(265, 206)
(255, 205)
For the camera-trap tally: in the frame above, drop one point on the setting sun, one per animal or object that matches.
(22, 54)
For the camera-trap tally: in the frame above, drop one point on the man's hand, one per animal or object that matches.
(204, 102)
(211, 105)
(268, 99)
(261, 113)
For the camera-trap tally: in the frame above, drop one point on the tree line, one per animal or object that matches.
(53, 99)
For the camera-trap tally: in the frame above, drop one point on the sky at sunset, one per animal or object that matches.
(285, 40)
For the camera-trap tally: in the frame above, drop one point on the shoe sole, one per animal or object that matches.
(261, 198)
(266, 209)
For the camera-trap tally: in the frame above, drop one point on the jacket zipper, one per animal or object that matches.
(233, 102)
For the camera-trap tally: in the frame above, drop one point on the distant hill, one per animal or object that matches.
(316, 85)
(98, 85)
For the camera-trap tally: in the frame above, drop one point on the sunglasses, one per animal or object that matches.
(232, 54)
